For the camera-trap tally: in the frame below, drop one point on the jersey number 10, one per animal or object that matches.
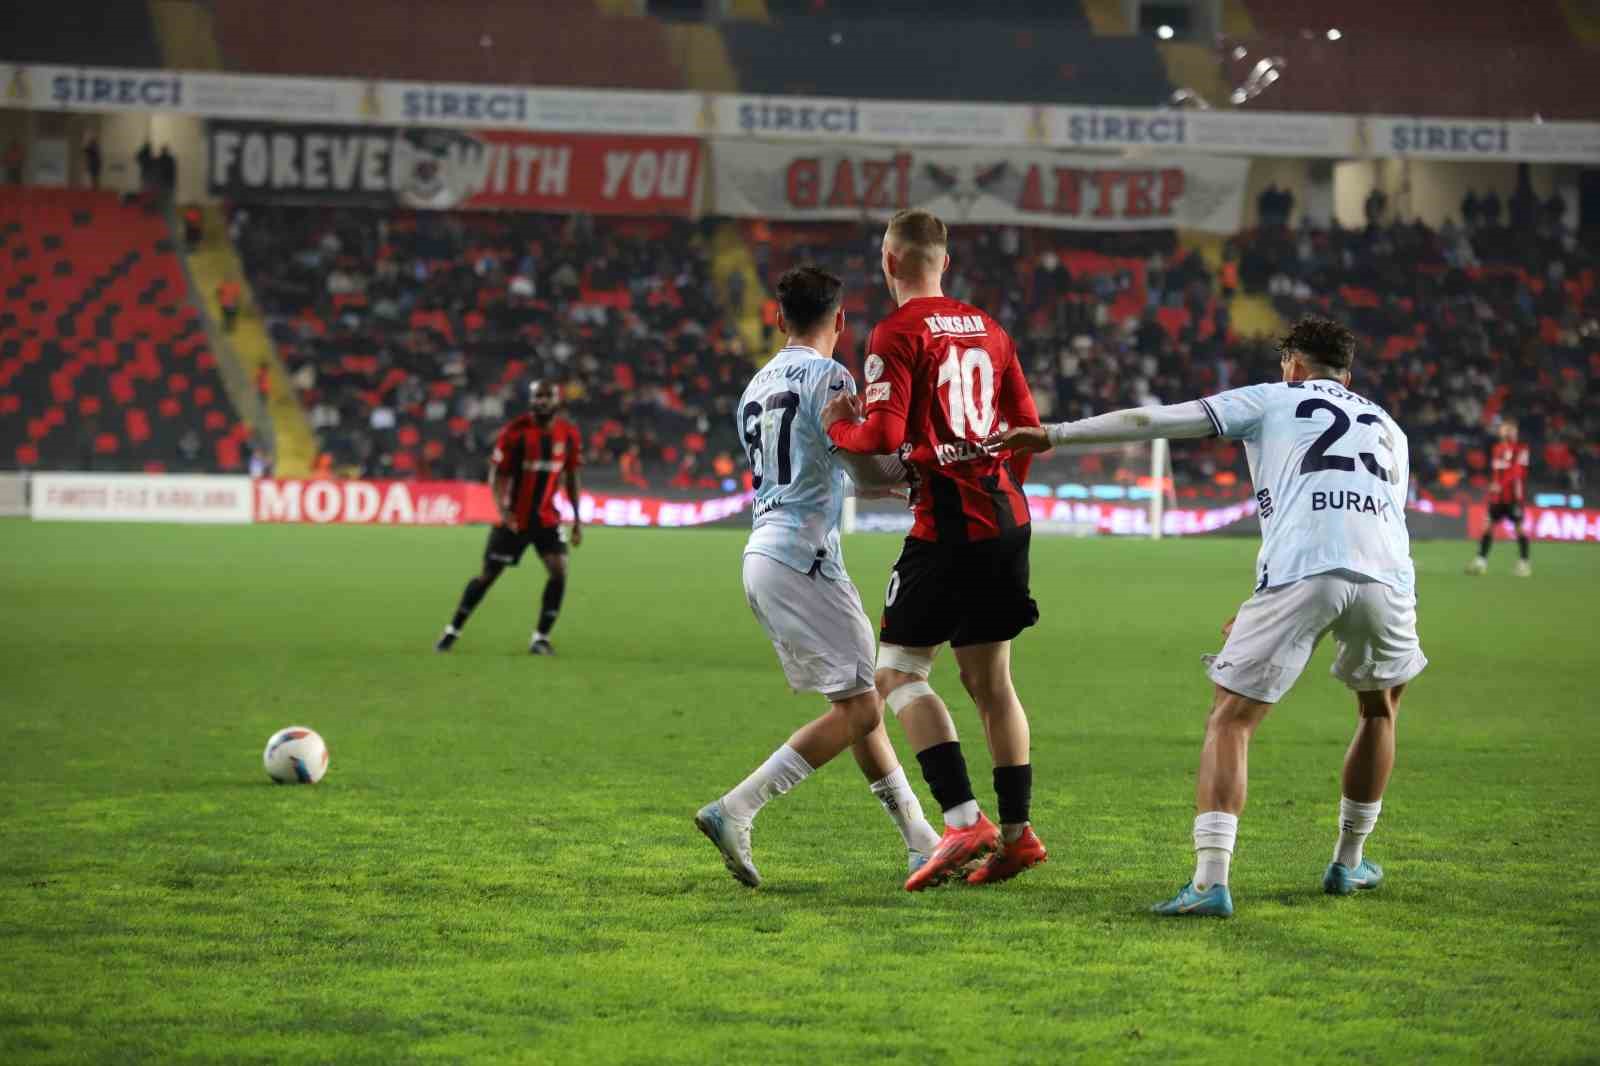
(970, 404)
(756, 420)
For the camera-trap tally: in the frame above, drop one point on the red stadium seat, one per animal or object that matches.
(106, 444)
(169, 407)
(215, 420)
(27, 455)
(88, 405)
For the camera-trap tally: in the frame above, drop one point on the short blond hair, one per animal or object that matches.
(920, 240)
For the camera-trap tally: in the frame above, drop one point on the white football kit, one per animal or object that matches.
(1331, 471)
(794, 575)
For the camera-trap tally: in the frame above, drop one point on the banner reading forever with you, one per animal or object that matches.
(445, 168)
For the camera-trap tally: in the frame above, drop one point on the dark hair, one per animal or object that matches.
(808, 295)
(922, 237)
(1322, 341)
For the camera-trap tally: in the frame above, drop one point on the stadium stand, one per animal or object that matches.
(466, 40)
(408, 366)
(104, 364)
(1468, 326)
(1054, 61)
(1386, 59)
(112, 33)
(410, 336)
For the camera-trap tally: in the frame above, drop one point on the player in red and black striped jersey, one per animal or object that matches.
(536, 454)
(940, 376)
(1508, 491)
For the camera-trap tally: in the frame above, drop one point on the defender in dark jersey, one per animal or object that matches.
(940, 376)
(534, 455)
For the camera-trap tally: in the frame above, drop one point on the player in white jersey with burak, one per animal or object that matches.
(1331, 471)
(795, 580)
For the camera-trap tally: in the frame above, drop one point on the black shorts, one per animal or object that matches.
(975, 593)
(506, 545)
(1502, 512)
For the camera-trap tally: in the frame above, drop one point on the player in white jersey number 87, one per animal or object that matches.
(796, 583)
(1330, 469)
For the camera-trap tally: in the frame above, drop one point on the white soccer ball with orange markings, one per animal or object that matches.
(295, 756)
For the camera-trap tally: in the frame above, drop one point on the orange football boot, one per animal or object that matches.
(1010, 860)
(956, 849)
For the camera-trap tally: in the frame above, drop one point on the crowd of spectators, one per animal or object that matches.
(1460, 327)
(410, 337)
(1463, 326)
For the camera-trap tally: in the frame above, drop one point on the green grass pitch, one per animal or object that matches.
(500, 865)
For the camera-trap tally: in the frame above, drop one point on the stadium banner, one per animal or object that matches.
(1491, 139)
(348, 100)
(1248, 133)
(833, 118)
(55, 88)
(187, 498)
(762, 179)
(550, 110)
(328, 501)
(1541, 523)
(452, 169)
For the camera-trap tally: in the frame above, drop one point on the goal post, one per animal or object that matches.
(1159, 474)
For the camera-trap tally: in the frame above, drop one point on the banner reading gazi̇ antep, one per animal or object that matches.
(450, 169)
(993, 186)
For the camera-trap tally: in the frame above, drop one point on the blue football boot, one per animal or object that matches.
(1190, 902)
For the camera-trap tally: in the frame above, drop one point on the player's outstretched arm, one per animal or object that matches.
(1176, 421)
(874, 475)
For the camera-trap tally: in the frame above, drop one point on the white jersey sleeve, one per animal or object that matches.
(1331, 471)
(1236, 414)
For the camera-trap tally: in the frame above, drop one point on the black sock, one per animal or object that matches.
(1522, 545)
(1013, 788)
(471, 596)
(1485, 544)
(944, 768)
(550, 607)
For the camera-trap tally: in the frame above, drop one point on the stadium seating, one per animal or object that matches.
(1447, 350)
(462, 41)
(413, 371)
(110, 33)
(104, 363)
(411, 336)
(1387, 59)
(1054, 61)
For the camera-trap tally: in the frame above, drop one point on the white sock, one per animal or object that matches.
(783, 770)
(894, 792)
(539, 634)
(1214, 834)
(1355, 824)
(963, 815)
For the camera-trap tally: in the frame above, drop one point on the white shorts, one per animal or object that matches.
(817, 626)
(1276, 631)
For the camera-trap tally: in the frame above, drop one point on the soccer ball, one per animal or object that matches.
(295, 755)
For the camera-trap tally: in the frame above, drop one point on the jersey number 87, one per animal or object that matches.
(780, 409)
